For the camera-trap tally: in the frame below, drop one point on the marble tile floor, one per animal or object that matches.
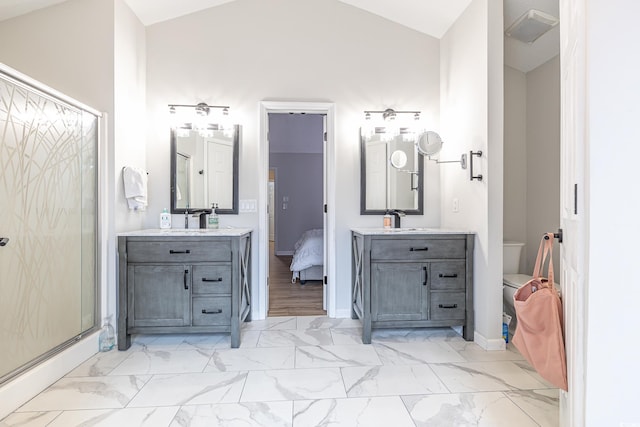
(298, 371)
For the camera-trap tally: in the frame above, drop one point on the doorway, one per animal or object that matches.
(296, 217)
(261, 294)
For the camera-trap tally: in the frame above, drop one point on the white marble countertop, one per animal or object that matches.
(181, 232)
(409, 231)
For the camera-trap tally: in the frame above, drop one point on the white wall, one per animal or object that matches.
(612, 205)
(532, 158)
(515, 157)
(472, 119)
(246, 51)
(543, 158)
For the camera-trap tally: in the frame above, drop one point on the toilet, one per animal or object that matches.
(511, 279)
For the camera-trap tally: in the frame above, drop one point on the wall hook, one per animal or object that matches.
(471, 175)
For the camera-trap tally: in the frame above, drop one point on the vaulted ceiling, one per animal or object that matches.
(432, 17)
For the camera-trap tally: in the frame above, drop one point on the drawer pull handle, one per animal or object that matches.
(425, 276)
(449, 276)
(186, 285)
(419, 249)
(205, 311)
(219, 279)
(171, 251)
(448, 305)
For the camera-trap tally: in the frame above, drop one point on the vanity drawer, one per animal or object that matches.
(208, 311)
(448, 276)
(447, 305)
(211, 279)
(178, 251)
(417, 249)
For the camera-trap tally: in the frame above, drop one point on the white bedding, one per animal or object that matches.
(308, 252)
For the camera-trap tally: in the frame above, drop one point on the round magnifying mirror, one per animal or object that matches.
(398, 159)
(429, 143)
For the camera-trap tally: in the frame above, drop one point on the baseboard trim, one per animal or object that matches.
(343, 314)
(284, 253)
(497, 344)
(23, 388)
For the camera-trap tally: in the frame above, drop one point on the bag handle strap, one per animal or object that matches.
(545, 250)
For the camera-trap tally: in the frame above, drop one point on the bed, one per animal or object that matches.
(307, 262)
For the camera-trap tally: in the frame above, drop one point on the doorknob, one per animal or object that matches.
(4, 241)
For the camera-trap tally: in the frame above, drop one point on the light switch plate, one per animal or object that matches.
(250, 205)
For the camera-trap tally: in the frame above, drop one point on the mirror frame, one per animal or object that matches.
(363, 185)
(236, 161)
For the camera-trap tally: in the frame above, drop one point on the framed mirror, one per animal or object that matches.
(204, 168)
(392, 172)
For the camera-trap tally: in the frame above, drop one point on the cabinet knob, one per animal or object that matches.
(219, 279)
(448, 276)
(171, 251)
(4, 241)
(186, 285)
(419, 249)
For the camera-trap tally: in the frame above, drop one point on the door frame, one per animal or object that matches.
(328, 109)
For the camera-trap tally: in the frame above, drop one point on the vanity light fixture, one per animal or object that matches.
(390, 114)
(201, 109)
(198, 118)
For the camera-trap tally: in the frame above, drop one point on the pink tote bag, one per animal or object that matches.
(539, 336)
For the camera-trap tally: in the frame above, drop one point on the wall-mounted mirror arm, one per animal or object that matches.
(462, 161)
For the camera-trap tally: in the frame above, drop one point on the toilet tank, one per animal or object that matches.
(511, 257)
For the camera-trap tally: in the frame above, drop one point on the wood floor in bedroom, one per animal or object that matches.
(291, 299)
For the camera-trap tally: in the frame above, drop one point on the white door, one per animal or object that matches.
(271, 208)
(220, 170)
(325, 251)
(573, 117)
(376, 161)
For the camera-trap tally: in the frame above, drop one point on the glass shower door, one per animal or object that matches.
(48, 199)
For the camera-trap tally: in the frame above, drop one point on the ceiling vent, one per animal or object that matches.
(530, 26)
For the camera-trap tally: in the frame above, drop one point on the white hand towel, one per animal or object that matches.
(135, 187)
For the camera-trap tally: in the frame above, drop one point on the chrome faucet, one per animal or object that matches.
(398, 214)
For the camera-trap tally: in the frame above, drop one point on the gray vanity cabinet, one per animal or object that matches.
(183, 284)
(412, 279)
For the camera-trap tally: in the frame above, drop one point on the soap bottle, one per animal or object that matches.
(107, 337)
(165, 219)
(213, 217)
(386, 220)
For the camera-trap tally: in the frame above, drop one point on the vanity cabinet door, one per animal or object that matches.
(399, 291)
(159, 295)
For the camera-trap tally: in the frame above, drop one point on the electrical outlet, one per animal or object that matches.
(456, 205)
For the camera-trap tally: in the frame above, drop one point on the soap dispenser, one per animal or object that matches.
(165, 219)
(386, 220)
(213, 217)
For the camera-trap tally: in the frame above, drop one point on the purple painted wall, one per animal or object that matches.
(295, 151)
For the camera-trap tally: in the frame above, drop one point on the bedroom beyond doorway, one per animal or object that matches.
(296, 217)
